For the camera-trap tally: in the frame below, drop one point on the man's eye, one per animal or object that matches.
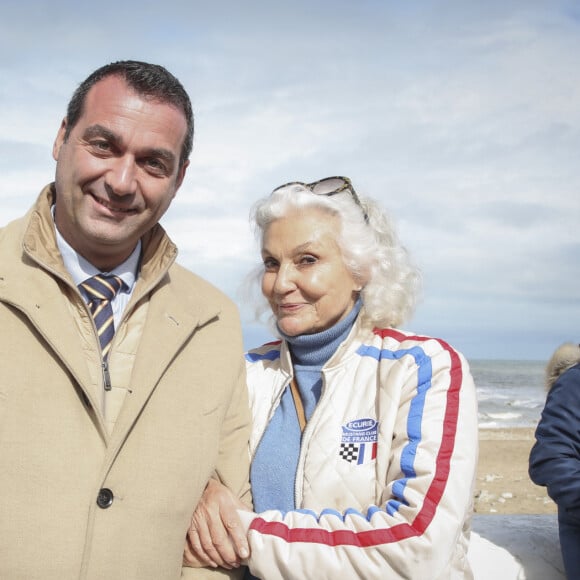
(101, 145)
(156, 165)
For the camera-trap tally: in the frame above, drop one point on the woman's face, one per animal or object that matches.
(305, 280)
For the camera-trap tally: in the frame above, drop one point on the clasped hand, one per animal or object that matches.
(216, 536)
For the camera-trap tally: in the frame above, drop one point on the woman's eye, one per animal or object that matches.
(269, 264)
(308, 260)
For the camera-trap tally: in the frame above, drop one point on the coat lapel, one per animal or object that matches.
(171, 321)
(48, 311)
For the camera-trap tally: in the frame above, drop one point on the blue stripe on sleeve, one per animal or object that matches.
(414, 422)
(257, 356)
(415, 418)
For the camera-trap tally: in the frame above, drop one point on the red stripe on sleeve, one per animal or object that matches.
(434, 493)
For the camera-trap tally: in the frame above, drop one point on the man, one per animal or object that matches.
(107, 443)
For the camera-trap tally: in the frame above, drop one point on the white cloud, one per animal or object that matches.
(461, 117)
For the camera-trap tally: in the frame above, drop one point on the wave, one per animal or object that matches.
(505, 416)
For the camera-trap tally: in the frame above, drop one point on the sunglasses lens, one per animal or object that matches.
(326, 186)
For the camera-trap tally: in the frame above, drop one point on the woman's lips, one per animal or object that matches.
(290, 307)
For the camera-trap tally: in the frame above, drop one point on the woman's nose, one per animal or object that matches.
(285, 280)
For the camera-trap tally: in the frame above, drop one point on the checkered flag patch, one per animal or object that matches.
(349, 452)
(359, 441)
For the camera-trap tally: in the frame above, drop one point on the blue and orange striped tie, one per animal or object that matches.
(101, 290)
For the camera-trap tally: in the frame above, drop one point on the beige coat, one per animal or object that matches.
(185, 418)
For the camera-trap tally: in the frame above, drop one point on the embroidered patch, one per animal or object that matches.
(359, 441)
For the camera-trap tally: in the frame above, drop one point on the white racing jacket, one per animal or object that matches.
(387, 463)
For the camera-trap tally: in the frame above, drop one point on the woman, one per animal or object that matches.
(555, 457)
(364, 443)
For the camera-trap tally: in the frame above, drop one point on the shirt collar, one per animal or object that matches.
(81, 269)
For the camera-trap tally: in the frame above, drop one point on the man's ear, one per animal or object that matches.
(181, 175)
(60, 137)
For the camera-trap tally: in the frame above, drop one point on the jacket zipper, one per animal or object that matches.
(106, 375)
(271, 414)
(298, 484)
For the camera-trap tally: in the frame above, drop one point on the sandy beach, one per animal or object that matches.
(502, 485)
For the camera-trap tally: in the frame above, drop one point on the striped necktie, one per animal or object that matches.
(101, 290)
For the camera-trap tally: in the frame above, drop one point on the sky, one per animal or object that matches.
(462, 117)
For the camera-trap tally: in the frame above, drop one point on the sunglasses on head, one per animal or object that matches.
(330, 186)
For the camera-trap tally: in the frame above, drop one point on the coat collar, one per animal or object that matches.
(33, 279)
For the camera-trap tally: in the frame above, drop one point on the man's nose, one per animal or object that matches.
(122, 176)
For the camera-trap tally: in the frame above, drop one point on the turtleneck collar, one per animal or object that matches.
(315, 349)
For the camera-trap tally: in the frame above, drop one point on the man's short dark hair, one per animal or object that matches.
(147, 80)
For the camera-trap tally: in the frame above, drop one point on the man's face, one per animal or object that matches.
(117, 172)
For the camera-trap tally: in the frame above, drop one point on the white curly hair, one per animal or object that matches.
(369, 244)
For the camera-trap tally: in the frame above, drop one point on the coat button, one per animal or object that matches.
(105, 498)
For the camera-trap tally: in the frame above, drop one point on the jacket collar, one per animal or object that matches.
(340, 356)
(27, 259)
(39, 243)
(29, 251)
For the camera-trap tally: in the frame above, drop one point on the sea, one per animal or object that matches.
(510, 393)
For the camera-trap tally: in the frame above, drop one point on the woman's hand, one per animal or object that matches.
(217, 536)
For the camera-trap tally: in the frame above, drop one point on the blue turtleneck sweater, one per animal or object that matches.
(273, 471)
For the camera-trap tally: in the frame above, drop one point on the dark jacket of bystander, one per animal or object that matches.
(555, 457)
